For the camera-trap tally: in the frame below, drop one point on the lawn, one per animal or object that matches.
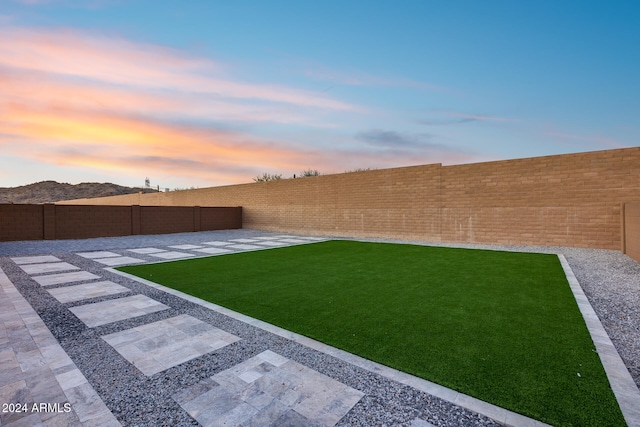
(503, 327)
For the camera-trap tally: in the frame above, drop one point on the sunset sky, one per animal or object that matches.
(206, 93)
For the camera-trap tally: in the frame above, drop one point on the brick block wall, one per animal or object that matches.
(83, 222)
(568, 200)
(212, 218)
(64, 221)
(631, 230)
(564, 200)
(164, 219)
(21, 222)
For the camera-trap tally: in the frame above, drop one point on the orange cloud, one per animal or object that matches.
(44, 90)
(117, 143)
(78, 100)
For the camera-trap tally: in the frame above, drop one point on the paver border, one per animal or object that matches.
(85, 401)
(620, 380)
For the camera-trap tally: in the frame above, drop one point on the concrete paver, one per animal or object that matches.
(273, 243)
(119, 260)
(86, 291)
(157, 346)
(49, 267)
(101, 313)
(213, 251)
(97, 254)
(217, 243)
(37, 377)
(186, 247)
(171, 255)
(34, 259)
(265, 389)
(294, 241)
(146, 250)
(60, 278)
(245, 247)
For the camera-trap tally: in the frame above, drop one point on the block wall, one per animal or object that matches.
(631, 230)
(568, 200)
(165, 219)
(213, 218)
(564, 200)
(21, 222)
(36, 222)
(82, 222)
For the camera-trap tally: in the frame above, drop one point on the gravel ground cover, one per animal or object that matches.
(610, 280)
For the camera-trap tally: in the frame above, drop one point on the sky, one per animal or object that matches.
(208, 93)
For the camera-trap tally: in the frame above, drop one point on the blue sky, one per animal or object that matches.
(205, 93)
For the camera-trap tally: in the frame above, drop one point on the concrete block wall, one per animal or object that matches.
(564, 200)
(82, 222)
(66, 221)
(214, 218)
(567, 200)
(631, 230)
(164, 219)
(21, 222)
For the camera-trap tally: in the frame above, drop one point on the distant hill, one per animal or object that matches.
(52, 191)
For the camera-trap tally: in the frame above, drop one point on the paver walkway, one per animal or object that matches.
(126, 352)
(39, 383)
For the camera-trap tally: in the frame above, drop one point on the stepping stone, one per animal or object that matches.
(86, 291)
(171, 255)
(146, 250)
(101, 313)
(56, 279)
(48, 267)
(295, 241)
(271, 243)
(244, 240)
(213, 250)
(216, 243)
(186, 247)
(245, 247)
(157, 346)
(97, 254)
(119, 260)
(268, 389)
(34, 259)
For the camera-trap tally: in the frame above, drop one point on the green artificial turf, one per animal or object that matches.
(503, 327)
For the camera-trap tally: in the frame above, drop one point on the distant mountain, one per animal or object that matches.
(52, 191)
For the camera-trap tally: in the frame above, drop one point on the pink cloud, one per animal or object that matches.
(78, 100)
(118, 61)
(44, 90)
